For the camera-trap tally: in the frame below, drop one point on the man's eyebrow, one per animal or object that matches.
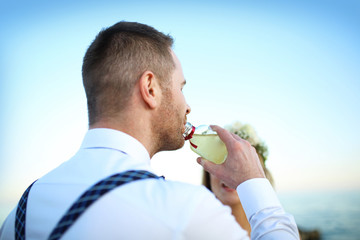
(184, 82)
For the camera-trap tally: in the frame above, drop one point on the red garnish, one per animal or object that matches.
(191, 134)
(193, 145)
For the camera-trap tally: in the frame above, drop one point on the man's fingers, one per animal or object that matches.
(208, 166)
(224, 135)
(199, 160)
(236, 137)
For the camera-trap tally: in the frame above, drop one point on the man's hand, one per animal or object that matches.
(241, 164)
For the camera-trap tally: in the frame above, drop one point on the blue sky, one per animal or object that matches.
(290, 69)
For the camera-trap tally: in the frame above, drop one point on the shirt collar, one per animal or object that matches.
(114, 139)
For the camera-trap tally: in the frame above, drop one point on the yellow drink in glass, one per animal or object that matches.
(209, 146)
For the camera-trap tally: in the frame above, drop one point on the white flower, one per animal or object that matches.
(247, 132)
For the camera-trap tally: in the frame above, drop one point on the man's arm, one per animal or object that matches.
(242, 171)
(266, 216)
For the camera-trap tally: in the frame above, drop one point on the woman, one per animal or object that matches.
(227, 195)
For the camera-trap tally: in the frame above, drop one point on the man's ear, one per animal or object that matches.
(149, 89)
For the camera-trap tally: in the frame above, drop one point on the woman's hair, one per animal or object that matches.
(246, 132)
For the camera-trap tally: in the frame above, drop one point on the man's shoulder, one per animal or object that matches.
(183, 189)
(166, 189)
(161, 202)
(164, 195)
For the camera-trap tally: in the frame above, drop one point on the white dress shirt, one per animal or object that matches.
(146, 209)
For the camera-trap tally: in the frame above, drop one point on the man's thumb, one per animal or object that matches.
(207, 165)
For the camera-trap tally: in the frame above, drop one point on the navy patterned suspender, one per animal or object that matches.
(21, 214)
(81, 204)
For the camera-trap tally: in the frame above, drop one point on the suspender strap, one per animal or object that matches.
(21, 214)
(89, 197)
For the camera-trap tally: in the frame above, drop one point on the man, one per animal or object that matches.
(133, 83)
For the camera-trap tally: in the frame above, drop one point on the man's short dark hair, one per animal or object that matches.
(115, 61)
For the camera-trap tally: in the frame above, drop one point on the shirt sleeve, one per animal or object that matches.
(266, 216)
